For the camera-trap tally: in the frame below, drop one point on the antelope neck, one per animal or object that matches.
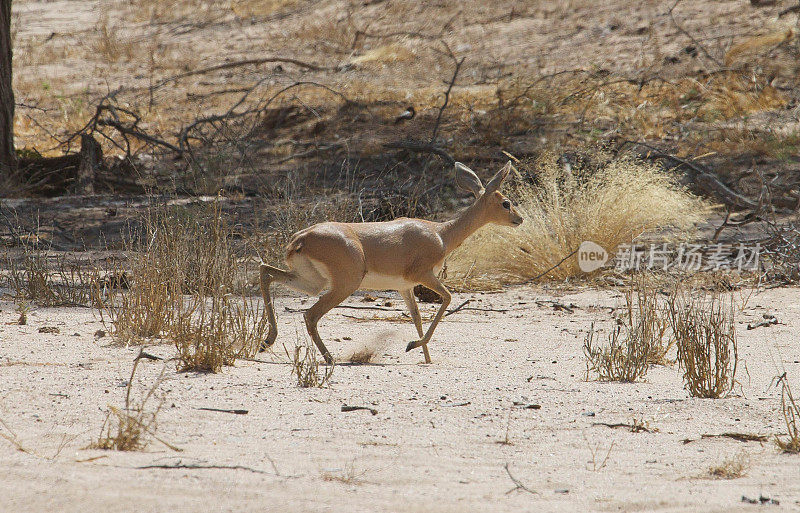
(455, 231)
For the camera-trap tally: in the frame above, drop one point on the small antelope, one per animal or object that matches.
(344, 257)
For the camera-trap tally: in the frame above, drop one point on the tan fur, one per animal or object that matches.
(398, 254)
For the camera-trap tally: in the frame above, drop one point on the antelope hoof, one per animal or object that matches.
(413, 345)
(265, 345)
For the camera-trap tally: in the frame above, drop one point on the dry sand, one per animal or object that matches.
(441, 438)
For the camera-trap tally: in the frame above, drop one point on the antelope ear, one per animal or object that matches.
(468, 180)
(497, 179)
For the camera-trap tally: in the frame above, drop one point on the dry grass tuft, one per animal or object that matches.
(731, 468)
(705, 335)
(610, 203)
(791, 416)
(637, 339)
(306, 367)
(623, 359)
(212, 332)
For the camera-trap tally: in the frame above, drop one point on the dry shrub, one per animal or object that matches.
(129, 428)
(212, 332)
(306, 367)
(183, 268)
(731, 468)
(791, 416)
(610, 203)
(705, 335)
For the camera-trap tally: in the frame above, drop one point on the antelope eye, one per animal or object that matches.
(506, 204)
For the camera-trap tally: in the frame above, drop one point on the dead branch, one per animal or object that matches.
(789, 10)
(459, 307)
(458, 63)
(741, 437)
(346, 408)
(703, 177)
(634, 428)
(236, 64)
(190, 466)
(420, 147)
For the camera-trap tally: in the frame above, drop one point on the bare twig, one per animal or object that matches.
(420, 147)
(687, 34)
(236, 64)
(346, 408)
(222, 410)
(517, 483)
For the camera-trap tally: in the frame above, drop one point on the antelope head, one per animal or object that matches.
(495, 206)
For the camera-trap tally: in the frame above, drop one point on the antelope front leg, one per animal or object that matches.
(411, 303)
(337, 294)
(433, 283)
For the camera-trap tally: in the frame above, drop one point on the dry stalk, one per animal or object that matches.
(306, 367)
(791, 416)
(128, 429)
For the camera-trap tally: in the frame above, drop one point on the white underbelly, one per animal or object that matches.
(377, 281)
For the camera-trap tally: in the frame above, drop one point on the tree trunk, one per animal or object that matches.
(8, 158)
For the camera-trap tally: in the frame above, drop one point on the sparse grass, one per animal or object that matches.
(348, 475)
(791, 416)
(22, 309)
(8, 434)
(306, 367)
(109, 45)
(184, 274)
(731, 468)
(50, 279)
(609, 202)
(705, 334)
(131, 427)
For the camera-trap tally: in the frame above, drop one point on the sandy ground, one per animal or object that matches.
(442, 435)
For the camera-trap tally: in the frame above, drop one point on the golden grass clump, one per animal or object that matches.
(609, 203)
(704, 328)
